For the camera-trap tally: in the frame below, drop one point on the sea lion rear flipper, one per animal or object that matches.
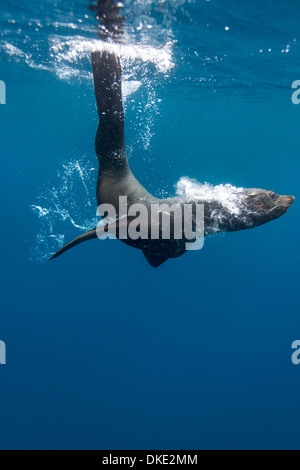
(108, 92)
(82, 238)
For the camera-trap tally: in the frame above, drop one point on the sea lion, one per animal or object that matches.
(253, 207)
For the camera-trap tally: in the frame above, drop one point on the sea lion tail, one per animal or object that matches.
(82, 238)
(110, 20)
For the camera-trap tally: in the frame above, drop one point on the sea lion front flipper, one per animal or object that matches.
(82, 238)
(154, 260)
(101, 230)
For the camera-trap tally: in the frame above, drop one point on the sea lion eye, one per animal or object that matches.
(273, 195)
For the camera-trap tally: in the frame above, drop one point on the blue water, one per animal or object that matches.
(103, 351)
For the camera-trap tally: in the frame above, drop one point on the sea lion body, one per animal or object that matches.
(253, 207)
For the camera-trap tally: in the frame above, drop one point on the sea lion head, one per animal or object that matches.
(263, 206)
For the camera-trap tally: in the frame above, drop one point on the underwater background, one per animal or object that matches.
(103, 351)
